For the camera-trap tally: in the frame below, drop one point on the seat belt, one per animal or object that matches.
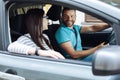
(76, 37)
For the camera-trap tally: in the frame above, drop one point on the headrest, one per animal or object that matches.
(54, 12)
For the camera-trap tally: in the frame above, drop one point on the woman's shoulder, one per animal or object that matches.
(24, 37)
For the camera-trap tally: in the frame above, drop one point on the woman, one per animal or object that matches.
(35, 43)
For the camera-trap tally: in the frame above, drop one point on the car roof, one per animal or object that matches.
(95, 4)
(103, 7)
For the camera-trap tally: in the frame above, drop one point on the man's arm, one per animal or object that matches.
(95, 27)
(67, 46)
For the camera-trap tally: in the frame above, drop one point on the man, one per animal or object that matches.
(68, 36)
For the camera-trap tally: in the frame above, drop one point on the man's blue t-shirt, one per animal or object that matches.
(65, 34)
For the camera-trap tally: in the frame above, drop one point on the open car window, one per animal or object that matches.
(89, 40)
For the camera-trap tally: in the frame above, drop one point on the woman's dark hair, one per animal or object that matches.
(34, 19)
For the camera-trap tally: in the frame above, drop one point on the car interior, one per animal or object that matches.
(18, 28)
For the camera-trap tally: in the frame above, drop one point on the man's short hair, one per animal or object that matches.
(66, 8)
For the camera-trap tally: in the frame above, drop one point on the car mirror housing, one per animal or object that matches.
(106, 61)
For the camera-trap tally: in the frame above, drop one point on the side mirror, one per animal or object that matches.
(106, 61)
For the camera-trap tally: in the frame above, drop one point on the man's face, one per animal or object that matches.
(69, 17)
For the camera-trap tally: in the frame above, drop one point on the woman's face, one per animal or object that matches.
(45, 22)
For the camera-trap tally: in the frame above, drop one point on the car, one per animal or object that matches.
(30, 67)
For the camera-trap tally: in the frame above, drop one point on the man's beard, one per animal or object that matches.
(65, 23)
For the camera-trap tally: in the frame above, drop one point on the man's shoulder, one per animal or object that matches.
(77, 26)
(61, 30)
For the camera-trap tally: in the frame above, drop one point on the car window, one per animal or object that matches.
(89, 40)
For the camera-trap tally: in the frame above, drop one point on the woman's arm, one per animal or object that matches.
(20, 48)
(24, 49)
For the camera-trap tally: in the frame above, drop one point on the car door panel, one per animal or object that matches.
(41, 69)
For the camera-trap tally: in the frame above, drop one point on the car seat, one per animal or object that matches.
(17, 26)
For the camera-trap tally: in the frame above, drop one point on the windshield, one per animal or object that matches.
(115, 3)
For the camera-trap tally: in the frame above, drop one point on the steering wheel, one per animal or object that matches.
(111, 38)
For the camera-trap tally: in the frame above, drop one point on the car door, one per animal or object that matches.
(40, 68)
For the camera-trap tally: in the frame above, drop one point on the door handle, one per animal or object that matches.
(11, 71)
(7, 76)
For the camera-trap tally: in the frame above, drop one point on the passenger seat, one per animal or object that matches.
(17, 26)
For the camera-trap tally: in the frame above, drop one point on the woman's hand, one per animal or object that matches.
(50, 53)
